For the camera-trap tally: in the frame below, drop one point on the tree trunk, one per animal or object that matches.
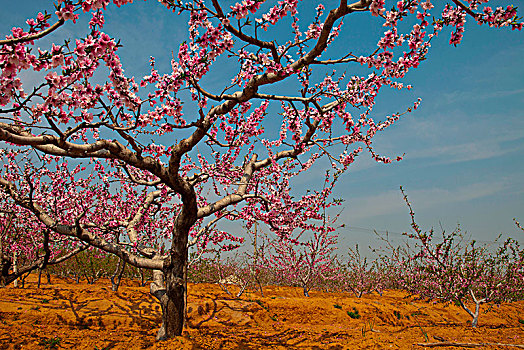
(116, 278)
(142, 277)
(15, 268)
(306, 290)
(5, 266)
(39, 278)
(169, 288)
(475, 320)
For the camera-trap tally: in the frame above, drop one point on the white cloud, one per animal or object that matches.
(391, 202)
(460, 96)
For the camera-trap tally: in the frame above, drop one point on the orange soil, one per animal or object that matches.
(93, 317)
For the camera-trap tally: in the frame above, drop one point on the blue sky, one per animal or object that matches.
(464, 146)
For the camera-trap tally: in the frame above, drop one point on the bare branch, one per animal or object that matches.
(465, 8)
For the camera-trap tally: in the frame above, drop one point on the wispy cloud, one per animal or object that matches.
(391, 202)
(455, 97)
(469, 151)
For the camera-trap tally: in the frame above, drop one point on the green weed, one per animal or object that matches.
(354, 314)
(50, 343)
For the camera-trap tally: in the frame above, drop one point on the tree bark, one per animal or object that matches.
(15, 268)
(39, 278)
(475, 320)
(5, 266)
(169, 288)
(306, 290)
(116, 278)
(175, 303)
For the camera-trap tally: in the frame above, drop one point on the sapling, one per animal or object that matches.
(461, 272)
(360, 276)
(308, 261)
(116, 277)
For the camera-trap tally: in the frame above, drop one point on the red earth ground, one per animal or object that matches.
(67, 315)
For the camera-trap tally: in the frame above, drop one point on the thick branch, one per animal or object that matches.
(107, 149)
(131, 227)
(250, 90)
(77, 231)
(237, 197)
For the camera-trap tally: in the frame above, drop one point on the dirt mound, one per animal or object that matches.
(66, 315)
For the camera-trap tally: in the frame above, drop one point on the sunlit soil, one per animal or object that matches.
(66, 315)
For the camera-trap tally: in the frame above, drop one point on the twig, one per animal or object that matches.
(467, 345)
(34, 36)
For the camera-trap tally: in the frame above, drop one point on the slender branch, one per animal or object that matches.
(467, 345)
(465, 8)
(34, 36)
(137, 180)
(252, 86)
(284, 98)
(204, 230)
(248, 39)
(327, 62)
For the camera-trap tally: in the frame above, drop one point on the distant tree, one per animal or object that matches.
(307, 261)
(455, 270)
(165, 157)
(26, 244)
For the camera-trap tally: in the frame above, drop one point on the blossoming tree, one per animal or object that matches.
(458, 271)
(166, 157)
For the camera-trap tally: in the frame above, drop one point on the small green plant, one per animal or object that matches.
(354, 314)
(45, 301)
(336, 306)
(521, 321)
(274, 318)
(50, 343)
(261, 303)
(424, 333)
(368, 326)
(397, 314)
